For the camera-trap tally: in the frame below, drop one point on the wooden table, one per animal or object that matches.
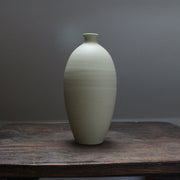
(130, 148)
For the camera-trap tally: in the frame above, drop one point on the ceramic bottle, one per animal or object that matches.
(90, 91)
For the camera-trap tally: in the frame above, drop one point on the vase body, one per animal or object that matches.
(90, 91)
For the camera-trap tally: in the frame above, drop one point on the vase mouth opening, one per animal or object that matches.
(90, 36)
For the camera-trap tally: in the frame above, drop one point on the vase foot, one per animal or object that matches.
(89, 143)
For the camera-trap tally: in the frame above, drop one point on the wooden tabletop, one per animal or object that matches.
(48, 150)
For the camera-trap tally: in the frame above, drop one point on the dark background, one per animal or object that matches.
(37, 37)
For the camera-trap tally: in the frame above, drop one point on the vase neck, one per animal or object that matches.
(90, 37)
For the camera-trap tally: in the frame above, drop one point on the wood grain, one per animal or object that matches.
(48, 150)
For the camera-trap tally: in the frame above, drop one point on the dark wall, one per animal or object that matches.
(37, 37)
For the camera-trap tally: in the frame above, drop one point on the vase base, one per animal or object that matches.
(89, 143)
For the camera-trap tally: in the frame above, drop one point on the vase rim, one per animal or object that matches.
(93, 34)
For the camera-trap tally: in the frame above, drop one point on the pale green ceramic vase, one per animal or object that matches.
(90, 91)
